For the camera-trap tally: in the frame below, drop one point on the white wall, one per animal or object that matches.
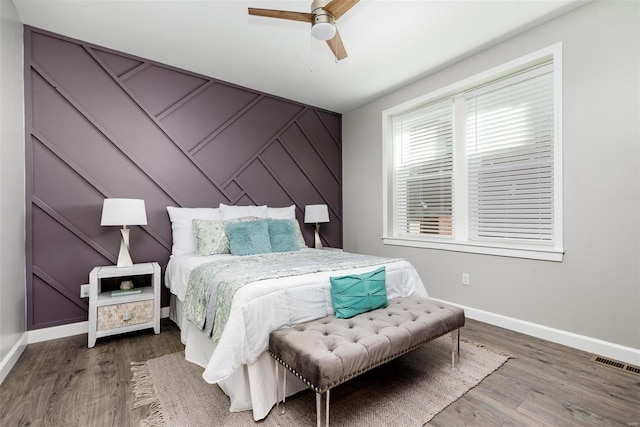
(12, 191)
(595, 291)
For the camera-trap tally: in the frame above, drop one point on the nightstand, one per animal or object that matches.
(110, 315)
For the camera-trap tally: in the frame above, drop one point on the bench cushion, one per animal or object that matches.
(329, 351)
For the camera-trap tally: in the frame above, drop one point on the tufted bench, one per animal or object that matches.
(327, 352)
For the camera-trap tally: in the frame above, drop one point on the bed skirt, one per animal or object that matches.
(250, 387)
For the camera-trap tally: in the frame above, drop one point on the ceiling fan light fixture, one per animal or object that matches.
(324, 27)
(323, 31)
(322, 18)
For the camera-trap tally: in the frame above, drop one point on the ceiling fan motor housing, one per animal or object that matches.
(319, 4)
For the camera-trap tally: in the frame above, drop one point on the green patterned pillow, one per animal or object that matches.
(249, 237)
(358, 293)
(299, 236)
(211, 236)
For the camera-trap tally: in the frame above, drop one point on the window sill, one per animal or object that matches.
(543, 254)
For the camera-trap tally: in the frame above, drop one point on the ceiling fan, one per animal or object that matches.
(322, 18)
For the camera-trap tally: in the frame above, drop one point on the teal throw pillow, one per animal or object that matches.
(282, 234)
(249, 238)
(358, 293)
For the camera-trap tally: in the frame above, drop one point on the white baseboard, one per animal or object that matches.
(46, 334)
(55, 332)
(591, 345)
(596, 346)
(12, 357)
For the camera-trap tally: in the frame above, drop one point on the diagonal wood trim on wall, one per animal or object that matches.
(101, 123)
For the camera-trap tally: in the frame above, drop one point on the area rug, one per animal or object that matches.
(408, 391)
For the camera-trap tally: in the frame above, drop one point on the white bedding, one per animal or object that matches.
(240, 363)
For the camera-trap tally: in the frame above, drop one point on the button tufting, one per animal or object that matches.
(374, 332)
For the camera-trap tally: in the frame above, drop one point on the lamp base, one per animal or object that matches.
(317, 242)
(124, 258)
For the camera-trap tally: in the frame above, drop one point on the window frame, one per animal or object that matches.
(460, 241)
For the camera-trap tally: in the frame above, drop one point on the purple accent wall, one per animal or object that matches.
(103, 124)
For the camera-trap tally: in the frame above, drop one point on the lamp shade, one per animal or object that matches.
(316, 214)
(123, 212)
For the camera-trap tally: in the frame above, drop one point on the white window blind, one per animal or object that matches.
(476, 166)
(423, 170)
(510, 145)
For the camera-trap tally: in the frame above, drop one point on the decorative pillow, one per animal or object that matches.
(282, 235)
(249, 237)
(232, 212)
(211, 236)
(282, 213)
(184, 241)
(299, 236)
(358, 293)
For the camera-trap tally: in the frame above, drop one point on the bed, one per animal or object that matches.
(233, 349)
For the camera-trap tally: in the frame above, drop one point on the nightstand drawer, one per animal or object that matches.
(113, 316)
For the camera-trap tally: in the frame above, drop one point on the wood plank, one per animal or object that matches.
(546, 383)
(62, 382)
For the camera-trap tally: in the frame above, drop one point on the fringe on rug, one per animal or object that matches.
(145, 395)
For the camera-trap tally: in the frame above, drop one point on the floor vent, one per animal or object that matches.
(615, 364)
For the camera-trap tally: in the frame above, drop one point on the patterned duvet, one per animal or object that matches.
(212, 286)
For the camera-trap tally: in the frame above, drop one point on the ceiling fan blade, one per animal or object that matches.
(336, 46)
(282, 14)
(339, 7)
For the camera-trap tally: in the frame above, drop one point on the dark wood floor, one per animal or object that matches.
(63, 383)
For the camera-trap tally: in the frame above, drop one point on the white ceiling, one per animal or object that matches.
(389, 43)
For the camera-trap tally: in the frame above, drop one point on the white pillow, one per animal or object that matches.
(282, 213)
(184, 241)
(233, 212)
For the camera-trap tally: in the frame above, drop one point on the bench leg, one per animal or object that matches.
(322, 409)
(281, 392)
(455, 343)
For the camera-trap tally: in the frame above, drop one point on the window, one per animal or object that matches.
(424, 170)
(476, 167)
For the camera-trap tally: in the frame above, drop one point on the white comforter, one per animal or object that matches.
(239, 363)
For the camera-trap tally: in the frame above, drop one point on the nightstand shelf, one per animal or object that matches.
(110, 315)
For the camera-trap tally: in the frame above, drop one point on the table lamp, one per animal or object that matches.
(316, 214)
(123, 212)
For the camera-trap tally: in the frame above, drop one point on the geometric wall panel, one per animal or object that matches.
(101, 123)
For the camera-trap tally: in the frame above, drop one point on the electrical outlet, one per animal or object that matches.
(84, 291)
(465, 279)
